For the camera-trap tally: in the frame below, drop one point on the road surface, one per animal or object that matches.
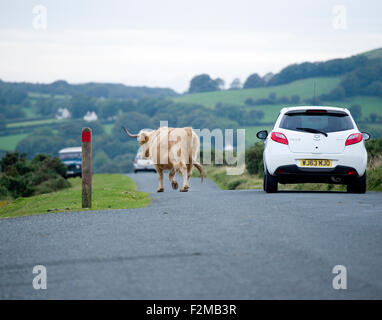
(204, 244)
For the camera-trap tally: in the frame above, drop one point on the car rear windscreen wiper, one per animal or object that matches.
(311, 130)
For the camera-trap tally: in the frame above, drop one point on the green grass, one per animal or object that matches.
(9, 143)
(303, 88)
(247, 181)
(110, 191)
(369, 104)
(108, 128)
(33, 123)
(36, 95)
(30, 112)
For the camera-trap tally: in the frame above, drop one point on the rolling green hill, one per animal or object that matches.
(373, 54)
(304, 88)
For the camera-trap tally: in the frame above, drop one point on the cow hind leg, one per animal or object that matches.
(160, 178)
(184, 171)
(189, 171)
(171, 176)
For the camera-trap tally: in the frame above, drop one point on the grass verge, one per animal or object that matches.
(110, 191)
(247, 181)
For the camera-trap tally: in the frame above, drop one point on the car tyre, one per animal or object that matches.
(358, 185)
(270, 183)
(135, 171)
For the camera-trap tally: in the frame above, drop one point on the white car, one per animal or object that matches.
(142, 164)
(315, 144)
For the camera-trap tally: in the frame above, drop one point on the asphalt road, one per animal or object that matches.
(204, 244)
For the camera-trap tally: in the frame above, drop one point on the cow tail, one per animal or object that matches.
(200, 169)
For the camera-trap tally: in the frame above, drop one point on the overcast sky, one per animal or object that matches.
(165, 43)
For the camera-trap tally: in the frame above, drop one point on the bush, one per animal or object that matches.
(22, 178)
(234, 184)
(254, 159)
(374, 148)
(374, 179)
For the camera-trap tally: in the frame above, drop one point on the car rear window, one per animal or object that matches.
(326, 122)
(70, 155)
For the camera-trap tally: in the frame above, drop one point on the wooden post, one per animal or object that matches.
(86, 168)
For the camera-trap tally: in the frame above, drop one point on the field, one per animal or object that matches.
(110, 191)
(304, 88)
(32, 123)
(108, 128)
(46, 95)
(9, 143)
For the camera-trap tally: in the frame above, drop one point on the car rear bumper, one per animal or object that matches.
(277, 155)
(144, 168)
(294, 174)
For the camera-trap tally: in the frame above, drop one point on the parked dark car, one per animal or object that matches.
(72, 158)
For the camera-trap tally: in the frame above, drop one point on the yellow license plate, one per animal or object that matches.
(315, 163)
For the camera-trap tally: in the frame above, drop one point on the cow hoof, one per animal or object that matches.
(185, 189)
(160, 190)
(174, 185)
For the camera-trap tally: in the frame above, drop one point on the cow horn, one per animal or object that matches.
(129, 134)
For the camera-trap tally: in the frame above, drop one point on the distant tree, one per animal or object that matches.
(12, 96)
(204, 83)
(79, 105)
(374, 89)
(220, 83)
(272, 96)
(12, 111)
(268, 77)
(250, 102)
(235, 84)
(108, 108)
(37, 143)
(351, 84)
(254, 81)
(3, 123)
(100, 159)
(134, 122)
(295, 99)
(71, 130)
(337, 94)
(373, 117)
(283, 100)
(46, 106)
(315, 101)
(256, 115)
(356, 111)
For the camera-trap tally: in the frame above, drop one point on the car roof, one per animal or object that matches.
(69, 150)
(314, 107)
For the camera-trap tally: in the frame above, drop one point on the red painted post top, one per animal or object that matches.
(86, 136)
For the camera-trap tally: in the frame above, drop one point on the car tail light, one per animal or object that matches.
(316, 111)
(135, 161)
(279, 137)
(353, 138)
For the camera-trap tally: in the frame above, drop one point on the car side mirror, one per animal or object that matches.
(262, 135)
(365, 136)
